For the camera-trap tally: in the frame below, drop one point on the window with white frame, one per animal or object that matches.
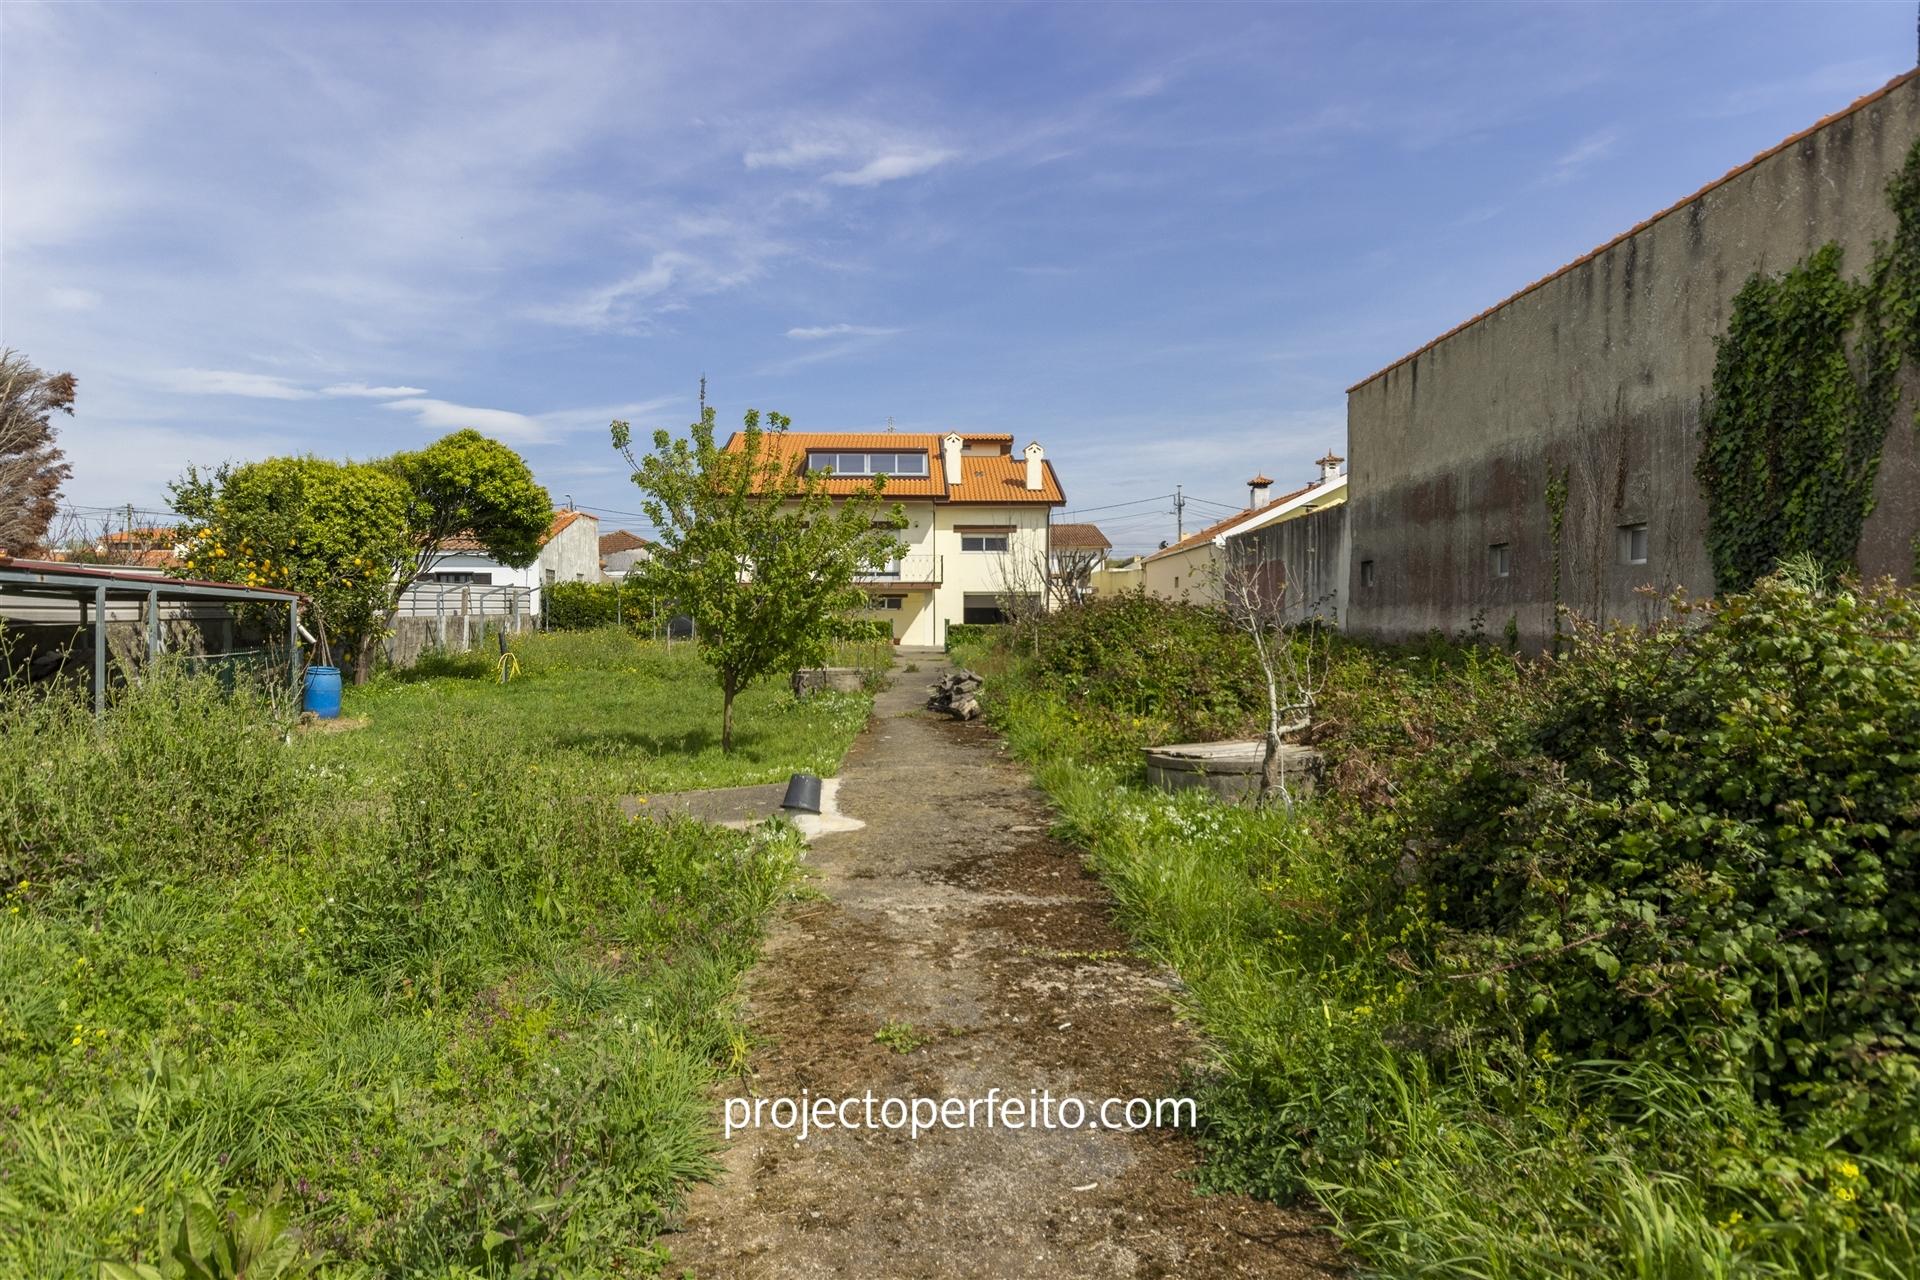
(889, 602)
(1633, 543)
(983, 542)
(867, 462)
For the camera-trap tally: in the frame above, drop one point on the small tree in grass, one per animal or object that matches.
(754, 548)
(1260, 599)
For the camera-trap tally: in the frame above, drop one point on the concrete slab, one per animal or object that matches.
(741, 807)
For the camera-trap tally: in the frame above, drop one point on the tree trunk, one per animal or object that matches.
(1273, 776)
(726, 717)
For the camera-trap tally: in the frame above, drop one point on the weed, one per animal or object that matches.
(900, 1037)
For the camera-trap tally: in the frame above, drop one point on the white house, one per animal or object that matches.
(465, 579)
(977, 519)
(1190, 569)
(621, 552)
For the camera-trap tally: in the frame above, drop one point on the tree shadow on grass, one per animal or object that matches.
(691, 742)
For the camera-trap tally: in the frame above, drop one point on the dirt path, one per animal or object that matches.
(954, 912)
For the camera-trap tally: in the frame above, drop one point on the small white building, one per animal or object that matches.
(1191, 568)
(977, 519)
(466, 579)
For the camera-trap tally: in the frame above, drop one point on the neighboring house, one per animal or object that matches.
(1078, 551)
(977, 517)
(157, 547)
(1191, 569)
(1113, 577)
(620, 552)
(465, 579)
(1543, 452)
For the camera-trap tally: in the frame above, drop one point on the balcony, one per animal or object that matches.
(906, 573)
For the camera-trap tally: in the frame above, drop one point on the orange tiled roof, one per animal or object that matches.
(999, 479)
(620, 540)
(1080, 537)
(467, 542)
(1213, 531)
(1671, 209)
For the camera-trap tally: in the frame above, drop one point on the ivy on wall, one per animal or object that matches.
(1804, 387)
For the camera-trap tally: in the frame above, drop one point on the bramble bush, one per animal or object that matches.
(1701, 847)
(1594, 965)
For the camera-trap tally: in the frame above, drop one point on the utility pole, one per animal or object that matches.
(1179, 513)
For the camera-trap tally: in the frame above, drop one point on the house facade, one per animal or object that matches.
(621, 553)
(1191, 569)
(465, 579)
(977, 519)
(1542, 454)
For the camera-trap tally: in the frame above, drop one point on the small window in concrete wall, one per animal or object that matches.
(1366, 573)
(983, 542)
(889, 602)
(1499, 560)
(1633, 544)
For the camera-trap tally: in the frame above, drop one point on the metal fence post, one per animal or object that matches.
(99, 650)
(293, 646)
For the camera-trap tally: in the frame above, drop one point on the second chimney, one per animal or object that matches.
(950, 457)
(1330, 466)
(1036, 467)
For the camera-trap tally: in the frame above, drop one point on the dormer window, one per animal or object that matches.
(867, 463)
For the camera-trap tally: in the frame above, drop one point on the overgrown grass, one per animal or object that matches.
(1352, 1068)
(438, 995)
(608, 712)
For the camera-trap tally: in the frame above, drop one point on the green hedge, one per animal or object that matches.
(973, 632)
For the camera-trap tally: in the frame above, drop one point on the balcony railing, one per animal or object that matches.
(906, 571)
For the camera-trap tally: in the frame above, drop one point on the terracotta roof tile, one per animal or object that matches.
(620, 540)
(1080, 536)
(1000, 479)
(1624, 236)
(466, 542)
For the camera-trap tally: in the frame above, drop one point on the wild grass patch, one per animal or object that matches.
(436, 1009)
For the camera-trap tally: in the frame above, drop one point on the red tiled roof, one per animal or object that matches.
(1079, 537)
(1213, 531)
(620, 540)
(466, 542)
(999, 479)
(1671, 209)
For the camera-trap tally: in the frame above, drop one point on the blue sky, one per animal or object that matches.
(1160, 240)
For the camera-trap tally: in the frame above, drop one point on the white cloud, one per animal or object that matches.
(226, 382)
(812, 333)
(371, 393)
(1583, 153)
(903, 162)
(444, 415)
(73, 299)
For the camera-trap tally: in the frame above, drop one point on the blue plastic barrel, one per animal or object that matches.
(323, 692)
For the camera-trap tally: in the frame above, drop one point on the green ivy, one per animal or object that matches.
(1804, 387)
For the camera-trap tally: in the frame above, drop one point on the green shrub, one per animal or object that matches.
(1410, 1017)
(581, 606)
(1701, 847)
(973, 633)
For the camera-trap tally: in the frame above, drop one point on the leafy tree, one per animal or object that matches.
(32, 466)
(755, 549)
(334, 531)
(466, 483)
(355, 536)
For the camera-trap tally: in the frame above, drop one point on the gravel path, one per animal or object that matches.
(954, 913)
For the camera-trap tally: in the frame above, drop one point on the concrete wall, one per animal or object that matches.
(1599, 372)
(1309, 554)
(573, 554)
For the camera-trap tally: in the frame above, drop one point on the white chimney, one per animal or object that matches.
(950, 457)
(1036, 471)
(1330, 466)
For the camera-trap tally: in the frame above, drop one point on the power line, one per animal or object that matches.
(1116, 505)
